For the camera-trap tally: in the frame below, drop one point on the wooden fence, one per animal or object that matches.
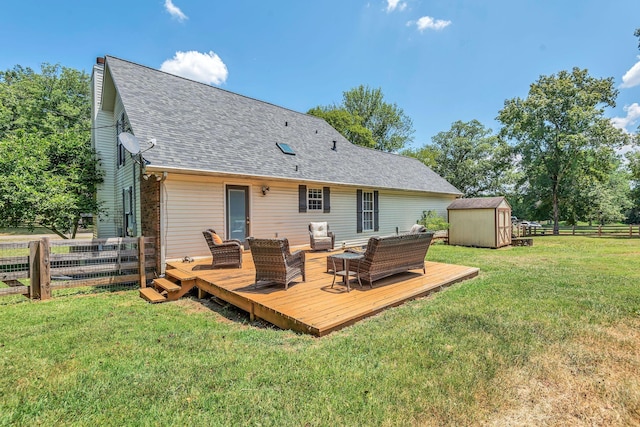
(38, 267)
(619, 230)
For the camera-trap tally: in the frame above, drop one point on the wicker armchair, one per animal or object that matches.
(226, 254)
(320, 238)
(274, 262)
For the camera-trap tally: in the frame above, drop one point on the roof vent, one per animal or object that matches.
(334, 148)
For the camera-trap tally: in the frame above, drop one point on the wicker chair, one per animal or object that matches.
(226, 254)
(320, 238)
(274, 262)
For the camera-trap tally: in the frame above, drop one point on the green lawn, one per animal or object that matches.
(546, 335)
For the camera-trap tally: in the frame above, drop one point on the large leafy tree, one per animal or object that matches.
(48, 171)
(562, 136)
(470, 157)
(365, 118)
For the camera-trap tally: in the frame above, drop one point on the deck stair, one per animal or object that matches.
(173, 286)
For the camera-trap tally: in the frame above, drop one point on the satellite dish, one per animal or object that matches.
(129, 142)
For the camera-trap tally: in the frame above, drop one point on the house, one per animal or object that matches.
(241, 166)
(483, 222)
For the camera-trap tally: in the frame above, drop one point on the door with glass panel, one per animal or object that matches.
(238, 218)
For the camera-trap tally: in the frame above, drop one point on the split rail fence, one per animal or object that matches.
(613, 230)
(36, 268)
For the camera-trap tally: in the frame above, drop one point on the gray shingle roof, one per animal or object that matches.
(477, 203)
(203, 128)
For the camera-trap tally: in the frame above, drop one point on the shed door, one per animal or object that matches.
(504, 227)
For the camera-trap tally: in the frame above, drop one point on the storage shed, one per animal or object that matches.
(481, 222)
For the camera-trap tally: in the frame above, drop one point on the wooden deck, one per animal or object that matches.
(314, 307)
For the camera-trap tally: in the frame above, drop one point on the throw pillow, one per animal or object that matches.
(319, 229)
(216, 239)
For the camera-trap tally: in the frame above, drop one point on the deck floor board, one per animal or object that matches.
(314, 306)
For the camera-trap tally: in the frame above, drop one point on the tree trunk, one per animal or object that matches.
(556, 209)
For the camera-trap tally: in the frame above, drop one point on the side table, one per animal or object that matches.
(346, 272)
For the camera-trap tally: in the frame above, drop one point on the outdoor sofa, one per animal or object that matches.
(386, 256)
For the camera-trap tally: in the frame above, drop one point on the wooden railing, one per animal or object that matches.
(37, 267)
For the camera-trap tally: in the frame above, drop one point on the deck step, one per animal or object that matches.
(167, 285)
(151, 295)
(179, 274)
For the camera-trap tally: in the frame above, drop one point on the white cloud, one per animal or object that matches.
(202, 67)
(395, 4)
(174, 11)
(633, 116)
(429, 23)
(632, 77)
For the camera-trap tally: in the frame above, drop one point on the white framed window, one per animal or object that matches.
(314, 199)
(367, 211)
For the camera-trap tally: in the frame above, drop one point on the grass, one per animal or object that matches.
(546, 335)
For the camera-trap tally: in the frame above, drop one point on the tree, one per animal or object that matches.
(472, 159)
(637, 34)
(633, 161)
(372, 122)
(48, 173)
(349, 125)
(562, 135)
(593, 199)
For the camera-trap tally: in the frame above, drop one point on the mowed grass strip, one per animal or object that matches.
(546, 335)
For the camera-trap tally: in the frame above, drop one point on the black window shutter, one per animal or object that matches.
(359, 210)
(302, 198)
(376, 211)
(124, 213)
(326, 202)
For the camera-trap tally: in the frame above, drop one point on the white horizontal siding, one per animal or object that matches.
(189, 208)
(104, 145)
(192, 204)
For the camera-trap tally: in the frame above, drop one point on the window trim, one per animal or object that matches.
(318, 192)
(365, 211)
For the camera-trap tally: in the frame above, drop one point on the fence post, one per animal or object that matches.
(40, 269)
(599, 230)
(573, 230)
(141, 263)
(34, 269)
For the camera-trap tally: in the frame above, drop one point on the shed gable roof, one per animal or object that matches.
(478, 203)
(202, 128)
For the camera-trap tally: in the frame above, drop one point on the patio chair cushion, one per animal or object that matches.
(319, 229)
(323, 240)
(216, 239)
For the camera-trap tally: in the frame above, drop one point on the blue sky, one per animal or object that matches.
(440, 61)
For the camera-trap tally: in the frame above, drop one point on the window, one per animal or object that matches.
(285, 148)
(314, 199)
(367, 211)
(121, 126)
(128, 217)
